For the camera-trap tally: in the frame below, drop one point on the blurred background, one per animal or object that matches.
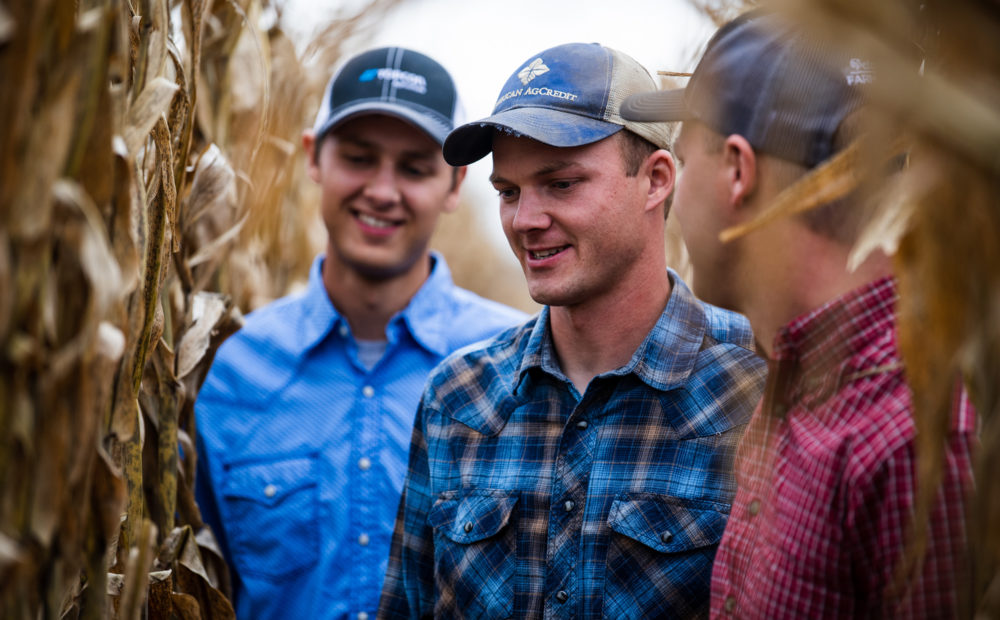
(481, 45)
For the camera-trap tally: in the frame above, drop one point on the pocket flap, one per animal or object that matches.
(668, 524)
(268, 482)
(472, 516)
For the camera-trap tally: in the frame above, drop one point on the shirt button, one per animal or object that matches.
(363, 540)
(343, 330)
(368, 391)
(468, 527)
(569, 505)
(364, 463)
(270, 490)
(582, 425)
(362, 615)
(562, 596)
(754, 507)
(730, 604)
(667, 536)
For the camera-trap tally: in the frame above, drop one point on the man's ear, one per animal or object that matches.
(312, 157)
(741, 169)
(451, 200)
(662, 174)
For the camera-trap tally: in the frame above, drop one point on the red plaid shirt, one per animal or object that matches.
(826, 477)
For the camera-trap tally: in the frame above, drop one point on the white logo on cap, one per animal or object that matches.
(400, 79)
(533, 70)
(860, 72)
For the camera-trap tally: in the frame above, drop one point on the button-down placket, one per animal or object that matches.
(366, 438)
(567, 508)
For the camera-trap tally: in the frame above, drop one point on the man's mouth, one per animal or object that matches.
(375, 222)
(546, 253)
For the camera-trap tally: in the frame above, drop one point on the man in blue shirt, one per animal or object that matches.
(305, 417)
(578, 466)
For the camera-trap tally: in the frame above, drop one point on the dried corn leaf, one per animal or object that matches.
(948, 262)
(213, 250)
(6, 284)
(7, 24)
(893, 209)
(123, 218)
(213, 189)
(97, 262)
(47, 149)
(207, 310)
(149, 107)
(182, 548)
(186, 607)
(136, 572)
(160, 604)
(10, 555)
(830, 181)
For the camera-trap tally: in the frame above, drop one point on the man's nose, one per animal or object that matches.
(531, 213)
(382, 188)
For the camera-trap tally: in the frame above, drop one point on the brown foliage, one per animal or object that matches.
(146, 153)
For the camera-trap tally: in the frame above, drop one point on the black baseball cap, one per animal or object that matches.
(394, 81)
(767, 80)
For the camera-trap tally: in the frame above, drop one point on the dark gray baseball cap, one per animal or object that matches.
(394, 81)
(765, 79)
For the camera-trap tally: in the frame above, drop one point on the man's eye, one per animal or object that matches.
(563, 184)
(352, 158)
(506, 194)
(416, 171)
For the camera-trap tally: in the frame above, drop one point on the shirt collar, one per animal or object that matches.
(423, 318)
(426, 318)
(320, 316)
(818, 351)
(663, 361)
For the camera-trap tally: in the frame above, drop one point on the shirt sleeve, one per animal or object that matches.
(204, 493)
(408, 591)
(883, 520)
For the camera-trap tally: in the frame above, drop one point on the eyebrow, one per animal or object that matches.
(367, 144)
(547, 169)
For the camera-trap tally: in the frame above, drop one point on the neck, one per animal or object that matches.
(602, 335)
(367, 303)
(811, 272)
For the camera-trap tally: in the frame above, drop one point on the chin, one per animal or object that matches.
(550, 297)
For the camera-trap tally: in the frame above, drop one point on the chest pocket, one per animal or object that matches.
(660, 556)
(271, 511)
(475, 547)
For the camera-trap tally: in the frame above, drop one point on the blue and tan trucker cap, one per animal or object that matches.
(394, 81)
(568, 95)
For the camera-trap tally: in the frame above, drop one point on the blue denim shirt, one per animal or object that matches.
(526, 499)
(302, 451)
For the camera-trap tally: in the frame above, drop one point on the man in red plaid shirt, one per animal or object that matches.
(826, 472)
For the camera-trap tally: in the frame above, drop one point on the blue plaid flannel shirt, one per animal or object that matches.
(525, 499)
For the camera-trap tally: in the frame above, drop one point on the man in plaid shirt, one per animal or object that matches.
(578, 466)
(826, 472)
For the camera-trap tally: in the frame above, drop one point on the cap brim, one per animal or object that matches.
(473, 141)
(656, 106)
(421, 119)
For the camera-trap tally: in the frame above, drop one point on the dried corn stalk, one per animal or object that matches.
(139, 139)
(939, 82)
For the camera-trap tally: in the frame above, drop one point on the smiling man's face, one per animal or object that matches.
(572, 216)
(384, 183)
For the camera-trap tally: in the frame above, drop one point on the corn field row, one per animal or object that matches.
(145, 147)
